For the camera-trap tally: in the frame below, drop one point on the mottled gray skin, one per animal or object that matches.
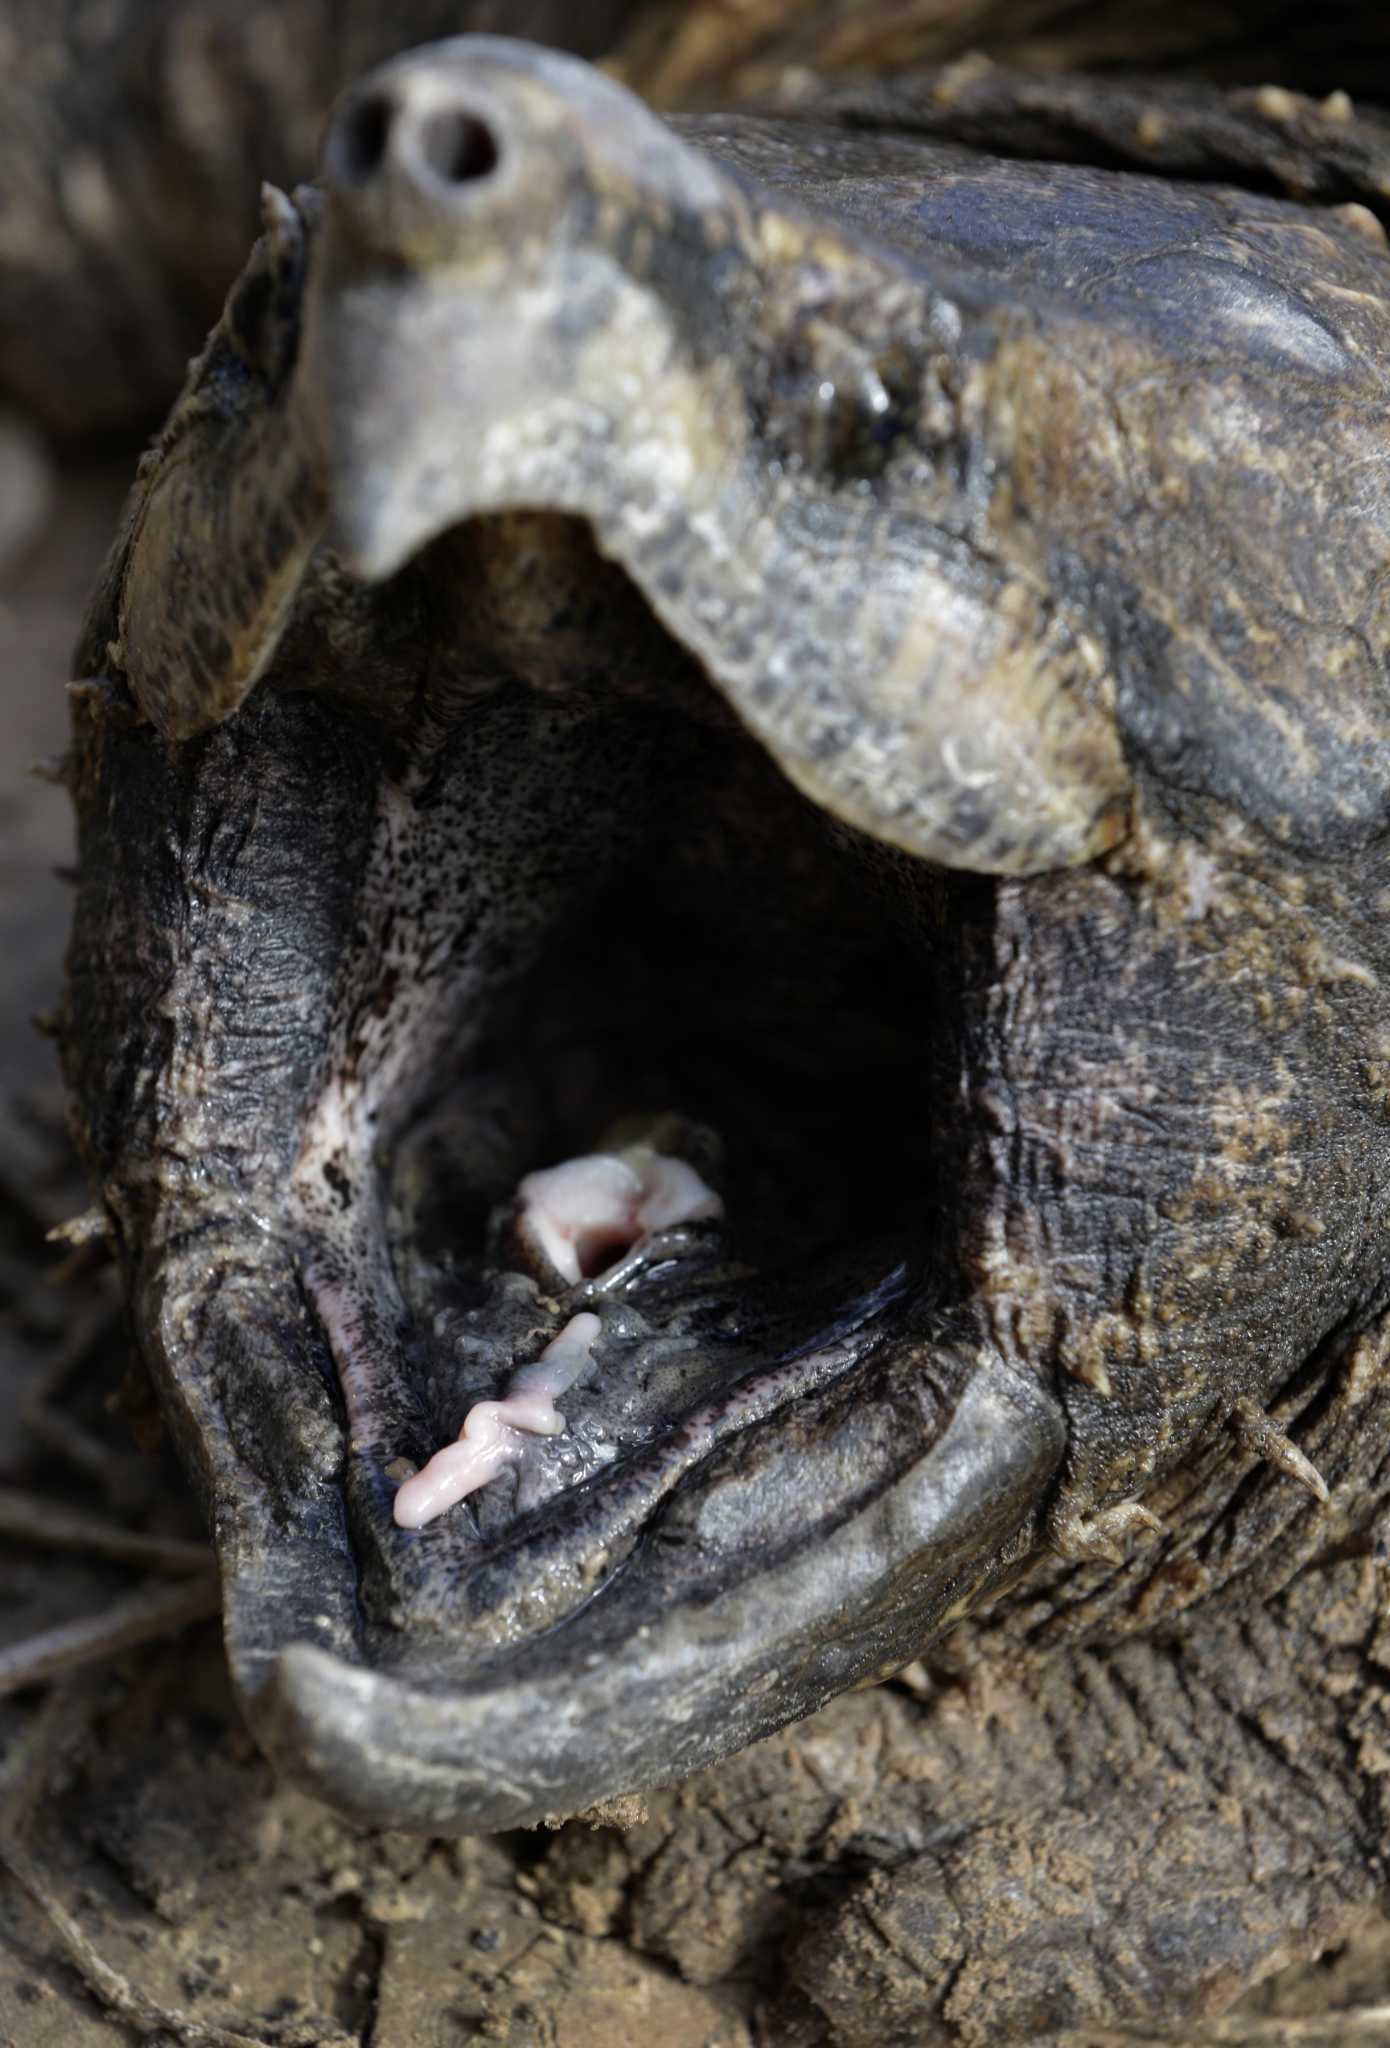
(881, 649)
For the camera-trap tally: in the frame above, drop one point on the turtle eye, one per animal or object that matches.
(840, 409)
(854, 424)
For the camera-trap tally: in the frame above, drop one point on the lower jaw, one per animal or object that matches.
(846, 1472)
(692, 1351)
(814, 1465)
(808, 1530)
(855, 1469)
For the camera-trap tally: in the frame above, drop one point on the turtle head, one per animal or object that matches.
(712, 957)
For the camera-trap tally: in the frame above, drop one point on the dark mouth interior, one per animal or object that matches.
(664, 939)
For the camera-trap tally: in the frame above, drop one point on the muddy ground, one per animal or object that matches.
(174, 1891)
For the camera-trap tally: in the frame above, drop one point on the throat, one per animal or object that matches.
(635, 1092)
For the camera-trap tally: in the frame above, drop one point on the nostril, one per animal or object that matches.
(458, 146)
(363, 136)
(388, 138)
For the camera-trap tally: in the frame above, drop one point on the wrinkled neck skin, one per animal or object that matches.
(617, 687)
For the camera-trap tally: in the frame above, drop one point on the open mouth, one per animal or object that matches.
(655, 1159)
(622, 1211)
(641, 1065)
(564, 1265)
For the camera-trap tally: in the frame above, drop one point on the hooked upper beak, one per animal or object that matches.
(531, 294)
(476, 330)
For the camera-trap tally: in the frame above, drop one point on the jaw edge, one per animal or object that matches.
(685, 1655)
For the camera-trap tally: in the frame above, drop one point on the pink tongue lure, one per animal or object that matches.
(494, 1431)
(582, 1215)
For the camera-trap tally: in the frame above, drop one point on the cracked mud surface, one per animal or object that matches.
(153, 1820)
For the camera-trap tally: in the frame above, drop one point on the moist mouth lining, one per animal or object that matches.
(603, 910)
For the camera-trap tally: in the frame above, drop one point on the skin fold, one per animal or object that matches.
(886, 638)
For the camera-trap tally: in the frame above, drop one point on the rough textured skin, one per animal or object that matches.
(134, 136)
(333, 822)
